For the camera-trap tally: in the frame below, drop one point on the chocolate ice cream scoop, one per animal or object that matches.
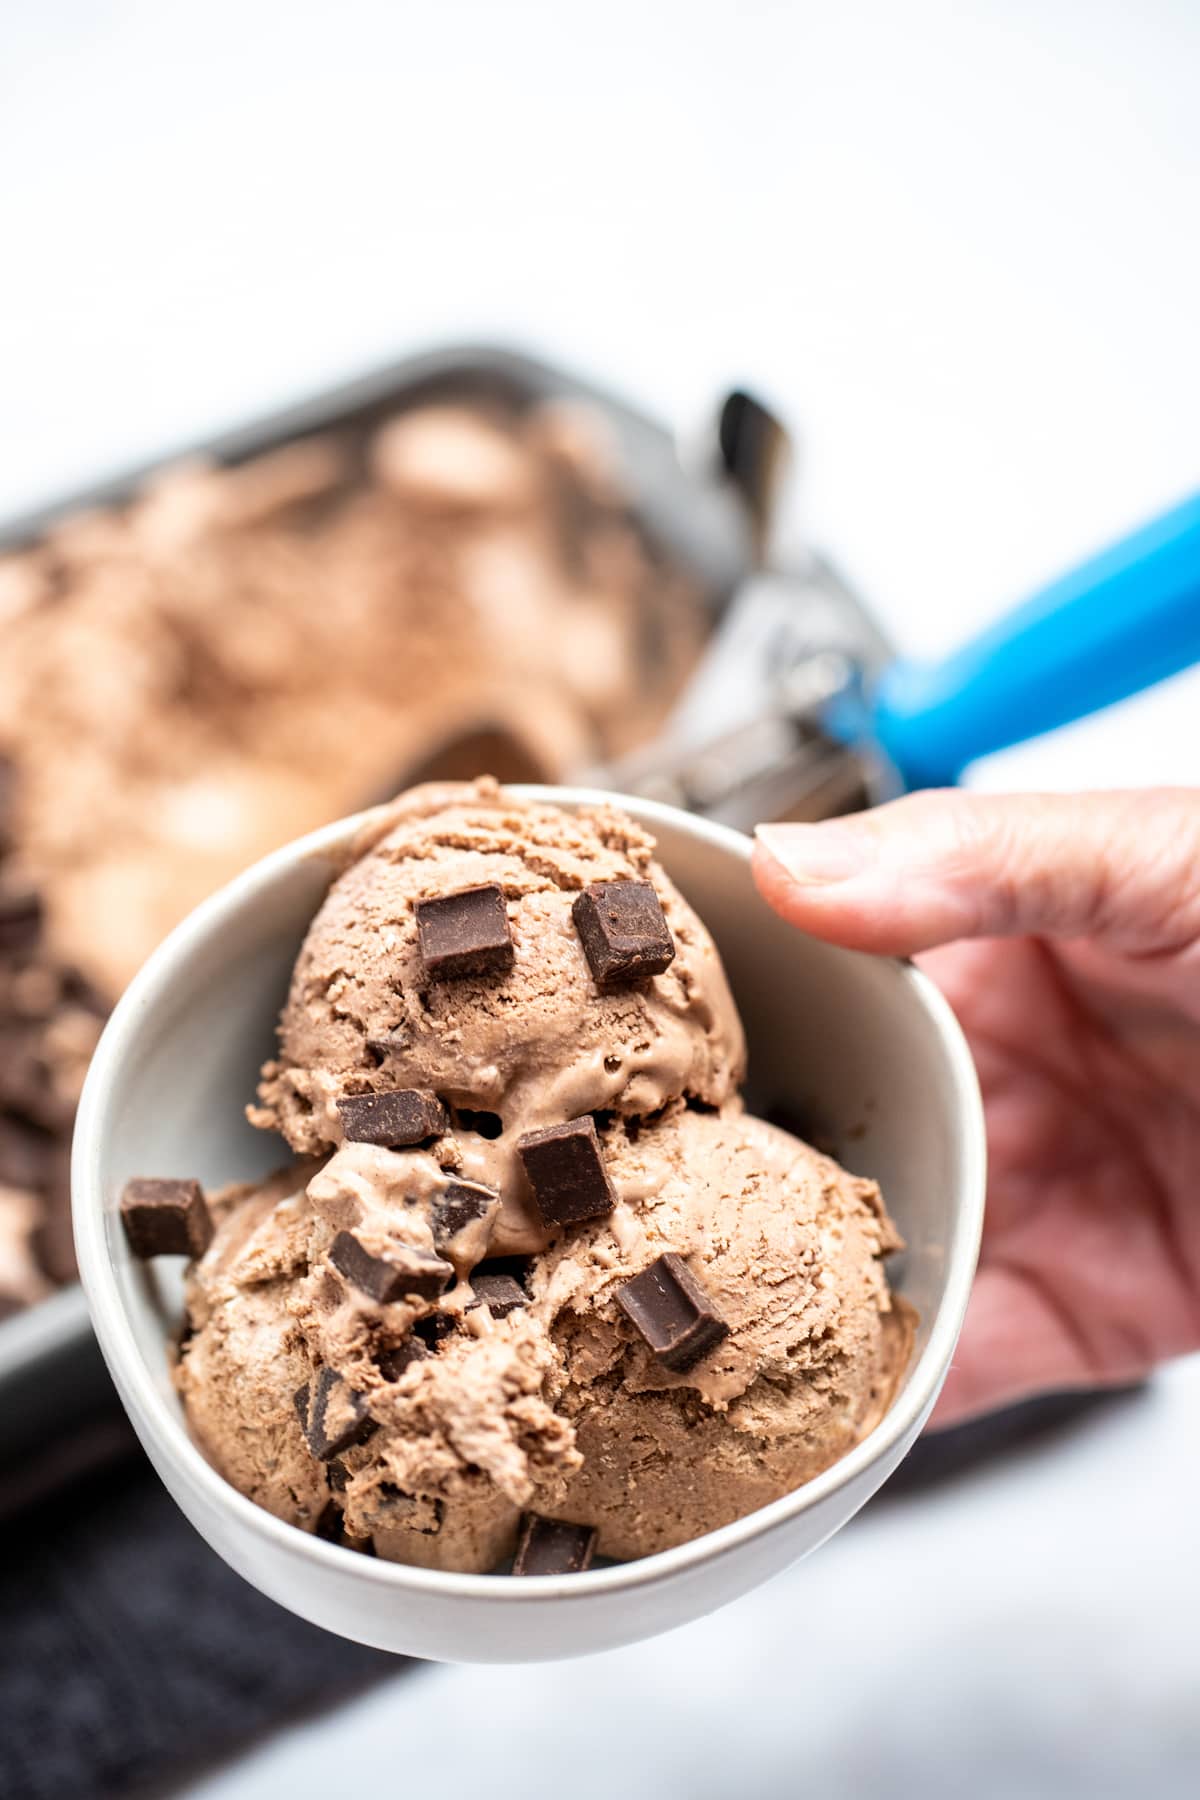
(460, 956)
(732, 1311)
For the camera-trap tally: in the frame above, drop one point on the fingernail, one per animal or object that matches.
(816, 854)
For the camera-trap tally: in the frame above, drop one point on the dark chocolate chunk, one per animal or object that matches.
(673, 1313)
(499, 1293)
(553, 1547)
(20, 920)
(387, 1278)
(623, 930)
(465, 933)
(566, 1172)
(393, 1361)
(435, 1328)
(403, 1116)
(462, 1203)
(166, 1218)
(332, 1416)
(329, 1525)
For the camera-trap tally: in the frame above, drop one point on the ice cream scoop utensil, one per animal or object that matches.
(1124, 620)
(799, 710)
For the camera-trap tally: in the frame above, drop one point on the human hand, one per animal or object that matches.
(1065, 932)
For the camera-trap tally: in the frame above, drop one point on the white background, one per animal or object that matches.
(958, 245)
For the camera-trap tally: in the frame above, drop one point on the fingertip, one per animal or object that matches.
(811, 904)
(770, 877)
(819, 890)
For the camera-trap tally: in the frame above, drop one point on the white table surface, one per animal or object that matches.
(957, 244)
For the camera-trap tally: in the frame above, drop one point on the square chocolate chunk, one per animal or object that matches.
(501, 1294)
(566, 1172)
(166, 1218)
(465, 933)
(673, 1313)
(408, 1271)
(393, 1119)
(393, 1361)
(553, 1547)
(624, 932)
(332, 1416)
(462, 1203)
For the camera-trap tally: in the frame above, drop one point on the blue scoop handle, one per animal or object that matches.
(1126, 619)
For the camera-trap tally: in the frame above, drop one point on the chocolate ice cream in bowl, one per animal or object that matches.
(509, 1239)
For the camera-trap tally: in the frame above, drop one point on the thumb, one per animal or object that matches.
(1121, 867)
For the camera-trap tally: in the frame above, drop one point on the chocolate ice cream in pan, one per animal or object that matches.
(536, 1284)
(50, 1021)
(178, 671)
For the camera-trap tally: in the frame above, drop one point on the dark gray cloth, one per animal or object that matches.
(131, 1656)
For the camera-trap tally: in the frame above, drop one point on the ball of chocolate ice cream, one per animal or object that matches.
(556, 1403)
(789, 1249)
(424, 1445)
(510, 1051)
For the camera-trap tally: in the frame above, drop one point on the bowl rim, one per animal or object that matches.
(159, 1422)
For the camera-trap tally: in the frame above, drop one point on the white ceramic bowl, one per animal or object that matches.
(866, 1045)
